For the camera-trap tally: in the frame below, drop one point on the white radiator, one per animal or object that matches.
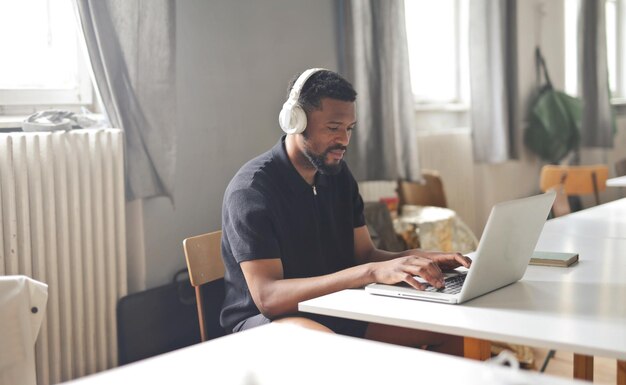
(62, 222)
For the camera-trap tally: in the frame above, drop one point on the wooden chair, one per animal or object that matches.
(206, 273)
(576, 180)
(428, 193)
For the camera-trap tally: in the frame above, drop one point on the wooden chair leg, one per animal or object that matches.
(621, 372)
(594, 180)
(476, 349)
(549, 356)
(583, 367)
(201, 324)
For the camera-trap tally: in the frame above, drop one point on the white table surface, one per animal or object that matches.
(580, 309)
(587, 246)
(619, 181)
(604, 221)
(281, 354)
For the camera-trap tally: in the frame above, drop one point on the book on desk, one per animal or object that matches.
(553, 258)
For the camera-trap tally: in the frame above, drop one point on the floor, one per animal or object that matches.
(604, 369)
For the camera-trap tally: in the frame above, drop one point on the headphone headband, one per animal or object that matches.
(294, 94)
(292, 117)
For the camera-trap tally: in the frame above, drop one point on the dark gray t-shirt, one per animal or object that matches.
(270, 211)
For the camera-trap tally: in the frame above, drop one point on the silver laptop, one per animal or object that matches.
(503, 253)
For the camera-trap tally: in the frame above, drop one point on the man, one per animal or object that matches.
(293, 225)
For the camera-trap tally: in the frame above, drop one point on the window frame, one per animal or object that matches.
(17, 102)
(461, 100)
(571, 71)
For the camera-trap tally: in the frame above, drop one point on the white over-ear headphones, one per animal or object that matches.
(292, 117)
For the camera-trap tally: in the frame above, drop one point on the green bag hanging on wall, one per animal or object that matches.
(554, 120)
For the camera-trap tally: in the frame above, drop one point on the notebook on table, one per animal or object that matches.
(503, 253)
(553, 258)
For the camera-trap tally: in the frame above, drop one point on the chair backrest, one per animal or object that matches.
(428, 193)
(206, 272)
(620, 167)
(576, 180)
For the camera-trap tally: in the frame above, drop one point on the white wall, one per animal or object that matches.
(234, 62)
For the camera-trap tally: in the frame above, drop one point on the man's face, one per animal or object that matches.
(328, 133)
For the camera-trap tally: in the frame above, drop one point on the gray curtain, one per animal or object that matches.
(493, 79)
(598, 124)
(131, 45)
(374, 57)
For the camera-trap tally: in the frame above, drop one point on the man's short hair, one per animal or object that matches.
(323, 84)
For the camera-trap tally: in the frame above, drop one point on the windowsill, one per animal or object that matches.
(11, 122)
(619, 106)
(444, 131)
(441, 107)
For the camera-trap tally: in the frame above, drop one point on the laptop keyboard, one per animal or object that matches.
(453, 285)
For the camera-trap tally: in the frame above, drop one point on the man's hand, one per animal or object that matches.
(447, 261)
(390, 268)
(404, 269)
(426, 264)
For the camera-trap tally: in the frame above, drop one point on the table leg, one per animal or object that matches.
(583, 367)
(476, 349)
(621, 372)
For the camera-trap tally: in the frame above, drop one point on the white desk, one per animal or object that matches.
(620, 181)
(580, 309)
(604, 221)
(282, 354)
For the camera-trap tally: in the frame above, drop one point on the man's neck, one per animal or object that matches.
(299, 160)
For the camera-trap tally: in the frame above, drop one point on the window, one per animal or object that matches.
(615, 13)
(439, 67)
(42, 61)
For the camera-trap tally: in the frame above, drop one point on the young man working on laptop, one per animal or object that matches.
(293, 225)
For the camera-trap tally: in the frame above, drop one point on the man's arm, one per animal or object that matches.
(276, 296)
(365, 252)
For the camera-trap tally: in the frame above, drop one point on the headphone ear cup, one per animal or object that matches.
(284, 118)
(292, 118)
(298, 119)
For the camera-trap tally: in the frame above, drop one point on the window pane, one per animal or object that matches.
(571, 45)
(39, 45)
(432, 37)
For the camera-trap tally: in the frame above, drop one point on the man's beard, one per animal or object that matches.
(319, 161)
